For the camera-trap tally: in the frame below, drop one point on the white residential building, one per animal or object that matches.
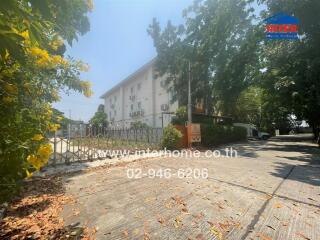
(140, 97)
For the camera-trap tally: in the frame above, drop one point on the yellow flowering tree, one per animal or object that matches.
(33, 70)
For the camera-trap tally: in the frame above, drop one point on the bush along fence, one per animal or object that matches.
(214, 135)
(86, 143)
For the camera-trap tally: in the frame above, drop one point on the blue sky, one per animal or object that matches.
(116, 45)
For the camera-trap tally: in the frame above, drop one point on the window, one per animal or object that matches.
(139, 86)
(131, 107)
(139, 105)
(171, 95)
(115, 98)
(110, 115)
(115, 112)
(131, 89)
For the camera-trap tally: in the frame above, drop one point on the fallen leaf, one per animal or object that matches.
(185, 210)
(224, 226)
(278, 205)
(220, 206)
(263, 236)
(125, 233)
(146, 236)
(285, 224)
(161, 220)
(216, 232)
(200, 237)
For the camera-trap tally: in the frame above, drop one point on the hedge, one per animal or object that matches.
(213, 135)
(171, 137)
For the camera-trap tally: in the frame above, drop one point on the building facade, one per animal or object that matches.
(141, 97)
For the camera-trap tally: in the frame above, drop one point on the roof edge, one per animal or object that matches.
(129, 78)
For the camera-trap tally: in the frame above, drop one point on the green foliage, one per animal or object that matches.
(171, 137)
(181, 116)
(292, 76)
(139, 125)
(249, 106)
(32, 73)
(214, 41)
(63, 18)
(214, 135)
(200, 118)
(100, 117)
(230, 57)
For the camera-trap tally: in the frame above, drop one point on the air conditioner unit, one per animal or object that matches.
(164, 107)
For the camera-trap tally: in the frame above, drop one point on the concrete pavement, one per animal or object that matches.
(270, 191)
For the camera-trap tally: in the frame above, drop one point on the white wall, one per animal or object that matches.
(151, 95)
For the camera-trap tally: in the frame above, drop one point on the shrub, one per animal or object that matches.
(139, 125)
(213, 135)
(33, 71)
(181, 116)
(171, 137)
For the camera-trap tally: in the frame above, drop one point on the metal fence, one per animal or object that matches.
(87, 143)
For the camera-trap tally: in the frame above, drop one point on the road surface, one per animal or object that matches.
(271, 190)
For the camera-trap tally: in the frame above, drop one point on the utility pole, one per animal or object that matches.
(189, 129)
(189, 96)
(69, 125)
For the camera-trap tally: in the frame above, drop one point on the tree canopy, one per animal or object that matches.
(230, 57)
(33, 71)
(100, 117)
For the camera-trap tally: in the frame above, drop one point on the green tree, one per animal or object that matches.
(228, 52)
(293, 67)
(181, 116)
(249, 106)
(219, 40)
(100, 117)
(32, 73)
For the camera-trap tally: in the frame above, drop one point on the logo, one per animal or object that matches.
(282, 26)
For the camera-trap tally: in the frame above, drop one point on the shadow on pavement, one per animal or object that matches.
(308, 171)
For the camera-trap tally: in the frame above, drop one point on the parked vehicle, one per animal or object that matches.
(252, 131)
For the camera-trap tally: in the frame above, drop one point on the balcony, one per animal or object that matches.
(139, 113)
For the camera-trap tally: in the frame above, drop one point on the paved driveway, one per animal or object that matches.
(270, 191)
